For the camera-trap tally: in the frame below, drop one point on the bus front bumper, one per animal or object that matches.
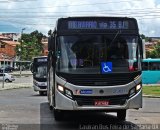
(39, 88)
(65, 103)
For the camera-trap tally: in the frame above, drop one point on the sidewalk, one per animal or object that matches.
(23, 73)
(15, 85)
(150, 85)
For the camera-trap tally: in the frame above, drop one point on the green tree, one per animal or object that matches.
(143, 36)
(147, 39)
(49, 32)
(31, 45)
(155, 53)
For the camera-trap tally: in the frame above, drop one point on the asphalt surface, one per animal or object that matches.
(24, 109)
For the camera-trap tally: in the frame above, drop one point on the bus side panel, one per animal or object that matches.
(151, 77)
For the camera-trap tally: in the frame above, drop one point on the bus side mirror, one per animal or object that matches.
(141, 47)
(31, 67)
(51, 43)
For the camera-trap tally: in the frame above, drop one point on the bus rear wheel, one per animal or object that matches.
(58, 115)
(121, 114)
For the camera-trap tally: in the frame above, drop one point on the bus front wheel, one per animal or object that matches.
(41, 93)
(121, 114)
(58, 115)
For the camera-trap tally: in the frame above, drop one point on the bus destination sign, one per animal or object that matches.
(120, 24)
(42, 60)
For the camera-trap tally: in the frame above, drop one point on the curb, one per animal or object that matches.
(151, 96)
(143, 85)
(16, 87)
(18, 75)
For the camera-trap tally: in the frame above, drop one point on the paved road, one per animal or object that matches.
(24, 106)
(24, 79)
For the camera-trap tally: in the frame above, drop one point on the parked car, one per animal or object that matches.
(6, 69)
(7, 77)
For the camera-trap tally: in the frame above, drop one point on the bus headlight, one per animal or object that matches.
(64, 91)
(35, 83)
(134, 90)
(60, 88)
(138, 87)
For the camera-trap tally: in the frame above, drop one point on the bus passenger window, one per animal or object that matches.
(144, 66)
(154, 66)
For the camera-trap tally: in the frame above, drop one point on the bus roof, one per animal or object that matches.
(96, 17)
(151, 60)
(40, 57)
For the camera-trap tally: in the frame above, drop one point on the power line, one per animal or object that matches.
(73, 5)
(57, 16)
(119, 11)
(123, 12)
(51, 24)
(9, 1)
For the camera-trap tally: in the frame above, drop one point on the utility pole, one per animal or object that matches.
(20, 64)
(3, 70)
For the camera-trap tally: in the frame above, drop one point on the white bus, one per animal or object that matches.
(39, 70)
(94, 63)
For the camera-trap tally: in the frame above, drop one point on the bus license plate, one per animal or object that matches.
(101, 103)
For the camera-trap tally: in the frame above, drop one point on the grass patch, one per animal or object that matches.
(151, 90)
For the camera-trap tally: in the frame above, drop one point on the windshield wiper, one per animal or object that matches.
(118, 32)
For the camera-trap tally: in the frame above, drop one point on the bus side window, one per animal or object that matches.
(144, 66)
(154, 66)
(150, 66)
(158, 66)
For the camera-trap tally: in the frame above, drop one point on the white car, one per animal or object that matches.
(7, 77)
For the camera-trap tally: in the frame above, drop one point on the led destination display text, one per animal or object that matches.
(98, 24)
(42, 60)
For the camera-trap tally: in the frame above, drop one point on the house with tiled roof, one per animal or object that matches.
(7, 50)
(45, 46)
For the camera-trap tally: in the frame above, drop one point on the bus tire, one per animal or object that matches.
(58, 115)
(50, 107)
(41, 93)
(50, 103)
(121, 114)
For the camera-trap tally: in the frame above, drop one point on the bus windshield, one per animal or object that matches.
(40, 71)
(83, 54)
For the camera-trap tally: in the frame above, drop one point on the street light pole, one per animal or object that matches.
(3, 70)
(21, 52)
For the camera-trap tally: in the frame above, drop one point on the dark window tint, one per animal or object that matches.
(1, 75)
(145, 66)
(154, 66)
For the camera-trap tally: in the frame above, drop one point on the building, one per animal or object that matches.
(45, 46)
(8, 43)
(7, 49)
(13, 36)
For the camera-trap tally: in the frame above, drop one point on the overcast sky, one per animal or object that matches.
(41, 14)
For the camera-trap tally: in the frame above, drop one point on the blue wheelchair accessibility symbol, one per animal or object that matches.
(106, 67)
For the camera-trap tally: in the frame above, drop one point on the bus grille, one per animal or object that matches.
(100, 80)
(40, 79)
(42, 87)
(89, 100)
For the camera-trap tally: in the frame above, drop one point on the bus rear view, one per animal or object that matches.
(95, 64)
